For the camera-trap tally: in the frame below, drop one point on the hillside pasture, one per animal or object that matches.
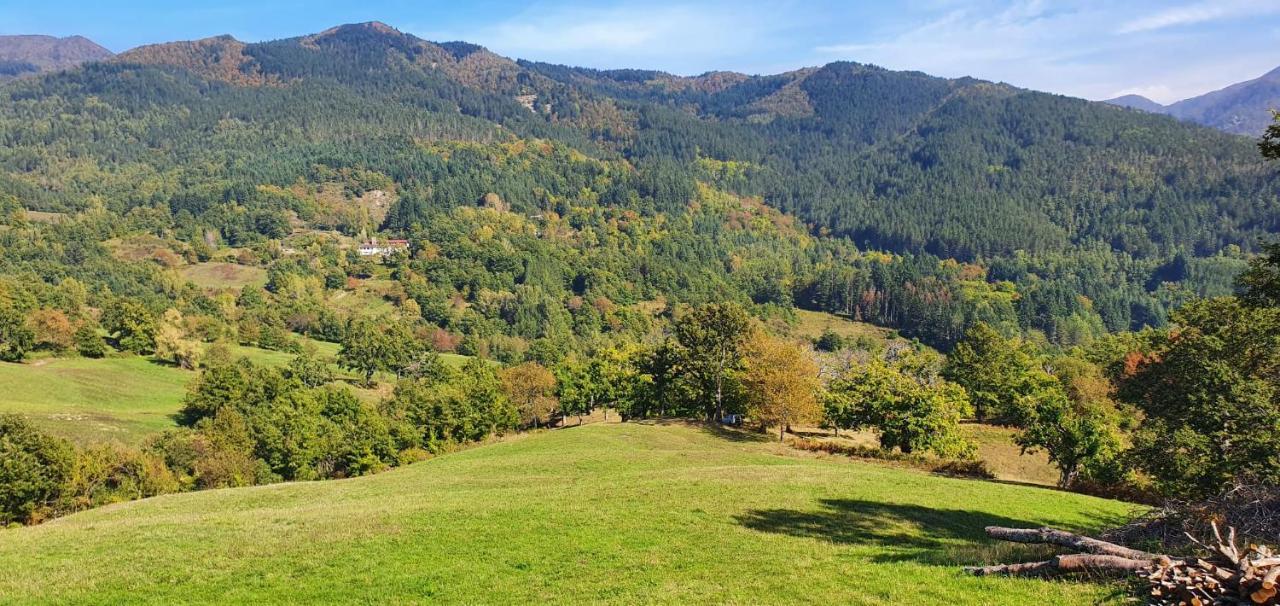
(215, 275)
(128, 398)
(606, 513)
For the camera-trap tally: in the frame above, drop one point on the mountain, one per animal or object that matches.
(27, 55)
(1137, 102)
(1242, 109)
(1024, 209)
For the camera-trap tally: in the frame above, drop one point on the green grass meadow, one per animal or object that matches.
(87, 400)
(604, 513)
(127, 398)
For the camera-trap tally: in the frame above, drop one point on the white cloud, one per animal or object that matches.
(1202, 12)
(1074, 51)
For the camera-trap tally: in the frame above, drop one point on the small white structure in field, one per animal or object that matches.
(386, 247)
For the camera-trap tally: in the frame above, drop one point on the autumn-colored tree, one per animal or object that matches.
(172, 344)
(781, 382)
(532, 388)
(52, 329)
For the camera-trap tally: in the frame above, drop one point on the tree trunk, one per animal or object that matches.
(719, 400)
(781, 432)
(1065, 564)
(1066, 539)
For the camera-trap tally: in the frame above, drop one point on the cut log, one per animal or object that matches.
(1066, 564)
(1231, 576)
(1060, 538)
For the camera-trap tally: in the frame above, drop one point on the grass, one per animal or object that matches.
(994, 444)
(127, 398)
(996, 448)
(216, 275)
(809, 325)
(606, 513)
(88, 400)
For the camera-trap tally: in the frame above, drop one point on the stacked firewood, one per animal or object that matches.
(1228, 576)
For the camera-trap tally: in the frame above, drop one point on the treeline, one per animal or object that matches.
(1184, 412)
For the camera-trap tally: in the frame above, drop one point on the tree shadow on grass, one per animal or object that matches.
(909, 533)
(735, 434)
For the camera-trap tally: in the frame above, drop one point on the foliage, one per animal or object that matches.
(370, 346)
(16, 338)
(131, 326)
(172, 344)
(712, 337)
(33, 471)
(531, 387)
(998, 374)
(908, 411)
(1259, 285)
(781, 383)
(88, 342)
(1210, 398)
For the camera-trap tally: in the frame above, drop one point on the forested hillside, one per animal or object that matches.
(547, 206)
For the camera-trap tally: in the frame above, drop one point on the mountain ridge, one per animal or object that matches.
(30, 54)
(1076, 203)
(1243, 108)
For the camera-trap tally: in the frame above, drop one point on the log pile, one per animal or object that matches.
(1228, 576)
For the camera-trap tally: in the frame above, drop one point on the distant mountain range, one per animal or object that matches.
(28, 55)
(1243, 108)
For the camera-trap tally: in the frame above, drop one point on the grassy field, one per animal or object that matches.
(89, 400)
(607, 513)
(994, 444)
(124, 398)
(216, 275)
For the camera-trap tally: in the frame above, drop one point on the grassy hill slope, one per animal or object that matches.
(616, 513)
(126, 398)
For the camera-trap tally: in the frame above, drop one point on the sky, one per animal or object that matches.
(1094, 49)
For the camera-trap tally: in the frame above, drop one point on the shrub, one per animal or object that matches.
(88, 343)
(967, 468)
(113, 473)
(34, 469)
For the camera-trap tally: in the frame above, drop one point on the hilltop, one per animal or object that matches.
(617, 513)
(30, 55)
(1243, 108)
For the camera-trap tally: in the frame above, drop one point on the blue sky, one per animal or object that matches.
(1090, 48)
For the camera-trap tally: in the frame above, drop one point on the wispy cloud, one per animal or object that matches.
(1076, 50)
(1202, 12)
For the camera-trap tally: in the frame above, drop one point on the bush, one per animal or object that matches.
(830, 340)
(88, 343)
(34, 469)
(966, 468)
(113, 473)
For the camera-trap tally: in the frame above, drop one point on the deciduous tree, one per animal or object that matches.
(781, 382)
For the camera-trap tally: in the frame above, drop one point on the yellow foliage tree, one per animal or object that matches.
(532, 388)
(172, 344)
(781, 382)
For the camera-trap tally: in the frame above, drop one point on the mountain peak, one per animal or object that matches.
(1136, 102)
(31, 54)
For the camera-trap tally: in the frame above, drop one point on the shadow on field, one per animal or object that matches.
(910, 532)
(734, 434)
